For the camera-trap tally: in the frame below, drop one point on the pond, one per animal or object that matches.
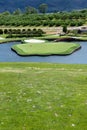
(78, 57)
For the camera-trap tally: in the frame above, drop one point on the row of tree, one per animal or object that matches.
(22, 32)
(74, 18)
(38, 20)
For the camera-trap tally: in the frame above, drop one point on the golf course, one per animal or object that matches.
(43, 67)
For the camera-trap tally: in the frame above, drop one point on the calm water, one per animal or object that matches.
(78, 57)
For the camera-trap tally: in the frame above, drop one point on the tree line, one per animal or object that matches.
(74, 18)
(29, 10)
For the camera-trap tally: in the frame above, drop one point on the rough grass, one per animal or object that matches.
(45, 48)
(39, 96)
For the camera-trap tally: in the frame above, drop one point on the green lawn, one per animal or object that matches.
(45, 48)
(42, 96)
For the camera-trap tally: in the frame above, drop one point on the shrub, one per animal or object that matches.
(1, 31)
(64, 28)
(5, 31)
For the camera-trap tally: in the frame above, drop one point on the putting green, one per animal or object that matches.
(61, 48)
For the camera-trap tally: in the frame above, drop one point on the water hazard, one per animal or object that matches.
(78, 57)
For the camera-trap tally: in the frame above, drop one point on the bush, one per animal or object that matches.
(5, 31)
(73, 23)
(24, 33)
(41, 31)
(1, 31)
(64, 28)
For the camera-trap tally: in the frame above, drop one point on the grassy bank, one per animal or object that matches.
(39, 96)
(44, 37)
(45, 48)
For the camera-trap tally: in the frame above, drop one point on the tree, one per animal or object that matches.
(30, 10)
(64, 28)
(6, 13)
(43, 8)
(5, 31)
(1, 31)
(17, 12)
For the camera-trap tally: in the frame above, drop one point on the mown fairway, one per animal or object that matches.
(49, 48)
(39, 96)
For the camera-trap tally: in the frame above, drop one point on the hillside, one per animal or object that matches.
(53, 5)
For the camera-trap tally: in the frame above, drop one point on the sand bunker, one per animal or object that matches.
(77, 37)
(2, 38)
(34, 41)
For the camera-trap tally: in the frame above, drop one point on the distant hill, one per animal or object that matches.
(53, 5)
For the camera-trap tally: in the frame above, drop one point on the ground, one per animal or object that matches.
(42, 96)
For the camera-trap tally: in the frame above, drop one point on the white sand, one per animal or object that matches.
(76, 37)
(2, 38)
(34, 41)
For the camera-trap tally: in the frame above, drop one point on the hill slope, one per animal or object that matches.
(53, 5)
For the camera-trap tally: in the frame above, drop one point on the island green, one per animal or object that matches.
(49, 48)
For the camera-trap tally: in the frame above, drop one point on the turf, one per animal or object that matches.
(39, 96)
(45, 48)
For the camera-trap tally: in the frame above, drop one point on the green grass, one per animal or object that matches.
(44, 37)
(81, 37)
(39, 96)
(45, 48)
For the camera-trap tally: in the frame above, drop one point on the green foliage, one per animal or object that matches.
(1, 31)
(17, 12)
(13, 33)
(30, 10)
(43, 8)
(6, 13)
(5, 31)
(64, 28)
(31, 17)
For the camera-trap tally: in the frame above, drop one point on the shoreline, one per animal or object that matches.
(62, 38)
